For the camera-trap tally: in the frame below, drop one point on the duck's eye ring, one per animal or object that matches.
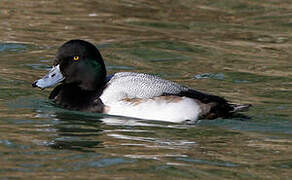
(76, 58)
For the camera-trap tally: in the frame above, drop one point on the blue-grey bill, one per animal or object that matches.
(53, 77)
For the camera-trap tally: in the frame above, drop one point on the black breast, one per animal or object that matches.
(72, 97)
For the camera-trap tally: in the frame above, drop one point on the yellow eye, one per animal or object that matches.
(76, 58)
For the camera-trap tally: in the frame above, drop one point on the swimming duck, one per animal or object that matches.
(84, 86)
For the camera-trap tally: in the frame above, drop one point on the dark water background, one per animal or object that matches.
(240, 50)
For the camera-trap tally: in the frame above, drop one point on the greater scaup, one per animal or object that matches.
(80, 69)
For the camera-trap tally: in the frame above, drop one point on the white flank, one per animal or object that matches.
(157, 109)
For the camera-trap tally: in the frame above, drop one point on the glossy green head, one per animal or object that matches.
(77, 62)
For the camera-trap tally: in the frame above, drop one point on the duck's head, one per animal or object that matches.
(77, 62)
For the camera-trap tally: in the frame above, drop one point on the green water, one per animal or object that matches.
(240, 50)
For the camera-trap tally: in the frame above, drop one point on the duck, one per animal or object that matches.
(82, 84)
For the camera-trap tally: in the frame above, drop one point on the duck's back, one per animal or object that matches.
(137, 85)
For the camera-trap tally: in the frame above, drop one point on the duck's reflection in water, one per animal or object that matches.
(86, 132)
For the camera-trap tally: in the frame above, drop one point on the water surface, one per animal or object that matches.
(240, 50)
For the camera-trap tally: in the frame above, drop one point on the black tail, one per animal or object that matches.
(225, 110)
(218, 106)
(239, 107)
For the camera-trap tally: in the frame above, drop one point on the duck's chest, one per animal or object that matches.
(74, 98)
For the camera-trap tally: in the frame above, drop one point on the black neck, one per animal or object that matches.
(71, 96)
